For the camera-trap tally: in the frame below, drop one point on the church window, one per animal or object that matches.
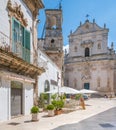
(52, 41)
(87, 52)
(99, 46)
(75, 49)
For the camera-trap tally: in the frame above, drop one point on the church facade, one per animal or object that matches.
(90, 63)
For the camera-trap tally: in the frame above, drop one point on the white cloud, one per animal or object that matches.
(66, 48)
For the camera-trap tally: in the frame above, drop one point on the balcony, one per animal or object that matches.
(17, 50)
(13, 62)
(4, 42)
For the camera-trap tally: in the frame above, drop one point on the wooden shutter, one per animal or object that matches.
(27, 45)
(15, 34)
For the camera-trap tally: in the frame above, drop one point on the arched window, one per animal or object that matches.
(46, 86)
(87, 52)
(52, 43)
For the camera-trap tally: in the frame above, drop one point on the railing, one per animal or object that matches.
(4, 42)
(18, 49)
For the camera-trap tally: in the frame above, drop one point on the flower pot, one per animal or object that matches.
(50, 112)
(58, 112)
(35, 117)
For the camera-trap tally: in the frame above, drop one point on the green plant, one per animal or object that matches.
(58, 104)
(35, 109)
(63, 97)
(50, 107)
(54, 96)
(77, 97)
(43, 99)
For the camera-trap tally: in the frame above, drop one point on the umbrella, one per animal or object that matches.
(64, 89)
(69, 90)
(87, 91)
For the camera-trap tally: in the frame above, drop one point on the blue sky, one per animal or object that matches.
(74, 11)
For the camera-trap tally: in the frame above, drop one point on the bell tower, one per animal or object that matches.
(53, 44)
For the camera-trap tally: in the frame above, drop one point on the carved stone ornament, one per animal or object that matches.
(16, 12)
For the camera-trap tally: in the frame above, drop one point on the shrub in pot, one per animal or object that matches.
(50, 109)
(58, 104)
(34, 112)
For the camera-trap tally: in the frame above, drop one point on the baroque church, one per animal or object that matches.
(90, 63)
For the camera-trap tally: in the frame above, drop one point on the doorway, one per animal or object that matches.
(87, 86)
(16, 98)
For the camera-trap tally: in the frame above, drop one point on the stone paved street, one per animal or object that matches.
(100, 114)
(103, 121)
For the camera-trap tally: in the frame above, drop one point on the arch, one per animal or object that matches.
(53, 22)
(46, 86)
(87, 52)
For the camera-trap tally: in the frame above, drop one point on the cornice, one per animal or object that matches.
(34, 6)
(16, 12)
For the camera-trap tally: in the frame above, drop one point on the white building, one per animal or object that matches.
(51, 78)
(90, 64)
(18, 46)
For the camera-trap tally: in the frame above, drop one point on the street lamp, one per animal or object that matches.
(58, 82)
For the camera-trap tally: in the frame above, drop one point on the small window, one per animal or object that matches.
(75, 49)
(52, 41)
(87, 52)
(99, 46)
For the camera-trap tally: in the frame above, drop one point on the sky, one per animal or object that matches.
(74, 11)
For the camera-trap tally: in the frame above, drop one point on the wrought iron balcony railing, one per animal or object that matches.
(17, 49)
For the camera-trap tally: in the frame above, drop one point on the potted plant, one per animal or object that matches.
(50, 109)
(35, 111)
(58, 104)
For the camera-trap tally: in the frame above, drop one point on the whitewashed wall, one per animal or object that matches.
(5, 85)
(27, 98)
(4, 100)
(51, 71)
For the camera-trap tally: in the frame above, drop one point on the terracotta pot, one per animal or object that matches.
(57, 112)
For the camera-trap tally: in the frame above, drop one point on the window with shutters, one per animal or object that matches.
(20, 40)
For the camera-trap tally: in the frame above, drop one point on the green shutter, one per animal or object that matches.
(15, 33)
(21, 35)
(27, 45)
